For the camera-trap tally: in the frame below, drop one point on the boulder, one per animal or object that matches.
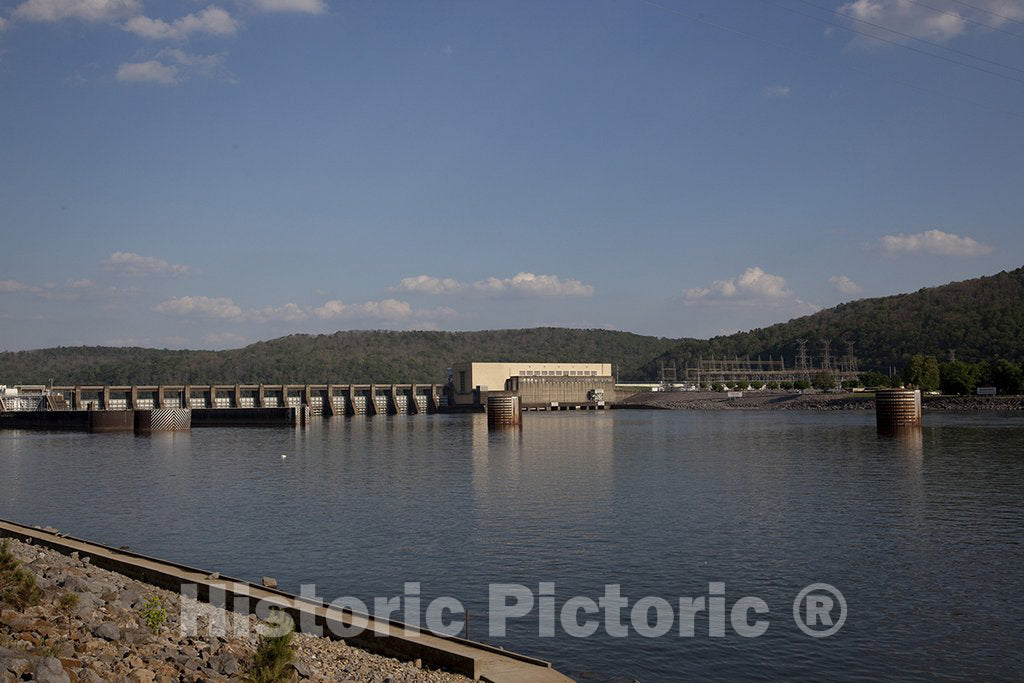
(50, 670)
(108, 630)
(141, 676)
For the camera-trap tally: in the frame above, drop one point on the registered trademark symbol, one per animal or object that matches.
(817, 602)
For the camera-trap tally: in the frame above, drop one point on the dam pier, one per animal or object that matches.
(312, 399)
(170, 408)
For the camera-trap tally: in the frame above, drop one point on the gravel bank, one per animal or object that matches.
(774, 400)
(103, 636)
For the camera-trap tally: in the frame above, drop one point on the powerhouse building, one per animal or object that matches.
(537, 384)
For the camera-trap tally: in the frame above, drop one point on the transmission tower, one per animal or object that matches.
(668, 372)
(803, 365)
(826, 356)
(851, 360)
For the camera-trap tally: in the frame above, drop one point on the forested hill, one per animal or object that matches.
(342, 357)
(980, 320)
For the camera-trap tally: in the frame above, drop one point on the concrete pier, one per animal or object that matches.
(897, 409)
(503, 410)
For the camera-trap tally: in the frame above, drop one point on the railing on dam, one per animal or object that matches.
(315, 399)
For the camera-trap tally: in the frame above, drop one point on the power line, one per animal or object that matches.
(912, 37)
(701, 19)
(969, 20)
(982, 9)
(897, 43)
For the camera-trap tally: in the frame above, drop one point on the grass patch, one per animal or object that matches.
(274, 652)
(67, 603)
(18, 588)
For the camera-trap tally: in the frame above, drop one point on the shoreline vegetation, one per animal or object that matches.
(83, 624)
(977, 322)
(787, 400)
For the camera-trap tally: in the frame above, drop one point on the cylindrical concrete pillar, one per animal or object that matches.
(503, 409)
(897, 409)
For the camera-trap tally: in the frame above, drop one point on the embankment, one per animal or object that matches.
(101, 635)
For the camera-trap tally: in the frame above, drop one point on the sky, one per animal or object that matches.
(208, 174)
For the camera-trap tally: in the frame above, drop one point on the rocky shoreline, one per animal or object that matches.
(102, 635)
(776, 400)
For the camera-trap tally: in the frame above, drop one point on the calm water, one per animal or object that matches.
(923, 537)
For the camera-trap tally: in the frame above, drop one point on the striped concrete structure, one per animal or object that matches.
(163, 420)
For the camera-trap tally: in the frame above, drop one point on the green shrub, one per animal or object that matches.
(274, 652)
(153, 613)
(67, 603)
(18, 588)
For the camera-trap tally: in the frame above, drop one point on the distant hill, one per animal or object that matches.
(342, 357)
(980, 319)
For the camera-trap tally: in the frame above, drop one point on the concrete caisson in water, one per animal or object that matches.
(897, 409)
(503, 409)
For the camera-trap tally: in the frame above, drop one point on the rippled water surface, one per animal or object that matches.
(923, 536)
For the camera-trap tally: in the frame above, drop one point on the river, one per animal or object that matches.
(921, 536)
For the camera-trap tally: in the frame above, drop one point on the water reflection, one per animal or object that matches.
(660, 502)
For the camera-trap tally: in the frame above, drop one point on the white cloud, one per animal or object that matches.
(306, 6)
(935, 21)
(225, 308)
(4, 24)
(910, 18)
(71, 290)
(85, 10)
(130, 263)
(753, 287)
(934, 242)
(845, 285)
(387, 309)
(288, 312)
(202, 306)
(150, 71)
(753, 283)
(428, 284)
(522, 284)
(11, 286)
(212, 20)
(173, 66)
(534, 285)
(224, 339)
(776, 91)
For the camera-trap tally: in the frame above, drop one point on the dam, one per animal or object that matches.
(312, 399)
(177, 407)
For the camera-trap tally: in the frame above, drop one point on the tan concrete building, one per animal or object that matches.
(472, 381)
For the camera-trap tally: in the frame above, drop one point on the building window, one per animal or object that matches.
(462, 381)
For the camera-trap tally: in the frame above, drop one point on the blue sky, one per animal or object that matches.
(205, 175)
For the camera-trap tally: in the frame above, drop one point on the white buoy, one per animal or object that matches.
(283, 455)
